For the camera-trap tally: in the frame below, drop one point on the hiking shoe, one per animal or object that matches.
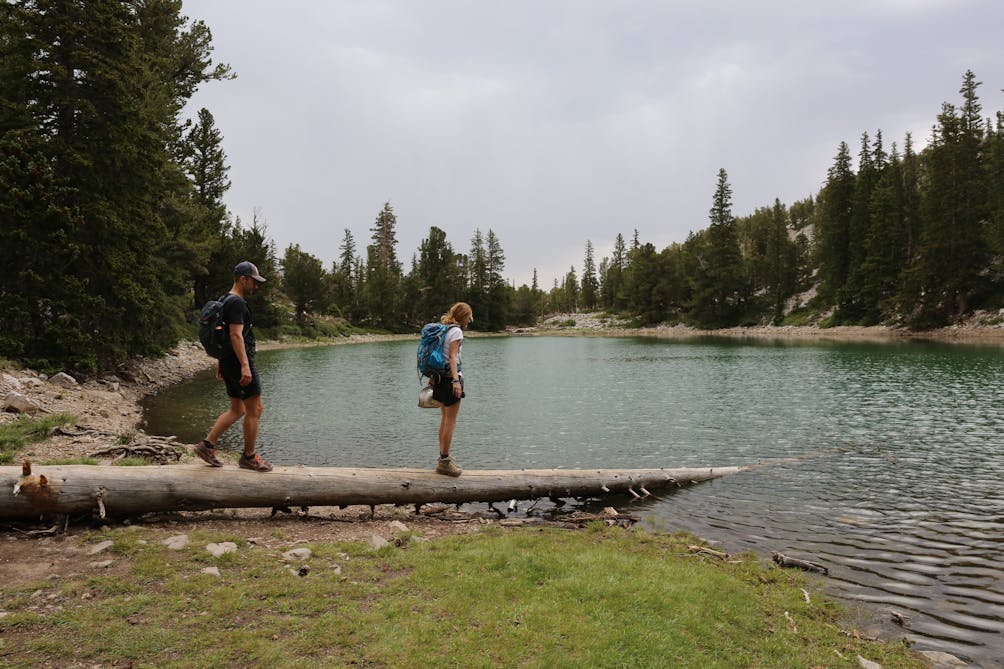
(254, 462)
(448, 467)
(205, 450)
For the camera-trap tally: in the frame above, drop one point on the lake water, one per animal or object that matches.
(902, 497)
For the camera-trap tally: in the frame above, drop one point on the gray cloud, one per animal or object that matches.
(556, 122)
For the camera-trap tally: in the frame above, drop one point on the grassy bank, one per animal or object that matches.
(27, 430)
(504, 598)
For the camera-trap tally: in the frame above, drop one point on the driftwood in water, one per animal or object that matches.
(785, 561)
(74, 489)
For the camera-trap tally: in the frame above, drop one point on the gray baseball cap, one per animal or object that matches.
(248, 269)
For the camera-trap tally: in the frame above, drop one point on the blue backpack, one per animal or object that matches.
(430, 349)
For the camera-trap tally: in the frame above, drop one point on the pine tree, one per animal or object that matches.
(953, 253)
(612, 289)
(343, 278)
(717, 289)
(496, 306)
(39, 316)
(590, 285)
(834, 226)
(101, 85)
(477, 273)
(850, 308)
(886, 245)
(383, 271)
(995, 169)
(570, 292)
(437, 275)
(304, 281)
(205, 164)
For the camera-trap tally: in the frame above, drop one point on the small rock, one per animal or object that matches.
(177, 542)
(10, 382)
(16, 402)
(103, 564)
(297, 554)
(222, 548)
(101, 547)
(868, 664)
(3, 614)
(398, 526)
(212, 571)
(943, 660)
(377, 542)
(63, 380)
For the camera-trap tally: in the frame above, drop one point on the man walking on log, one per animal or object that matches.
(238, 372)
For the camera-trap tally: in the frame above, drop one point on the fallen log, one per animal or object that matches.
(76, 489)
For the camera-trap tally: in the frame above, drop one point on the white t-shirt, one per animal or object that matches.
(452, 334)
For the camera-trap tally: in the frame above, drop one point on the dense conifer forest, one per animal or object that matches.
(113, 229)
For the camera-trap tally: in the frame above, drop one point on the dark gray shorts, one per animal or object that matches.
(230, 368)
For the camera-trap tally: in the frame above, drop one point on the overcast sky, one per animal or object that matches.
(556, 122)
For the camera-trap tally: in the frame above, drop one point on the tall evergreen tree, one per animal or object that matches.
(343, 278)
(834, 225)
(612, 289)
(953, 253)
(101, 85)
(717, 289)
(570, 292)
(995, 168)
(477, 274)
(590, 285)
(437, 275)
(782, 264)
(886, 245)
(39, 317)
(496, 305)
(850, 308)
(205, 163)
(383, 271)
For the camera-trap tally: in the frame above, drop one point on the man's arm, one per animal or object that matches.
(237, 341)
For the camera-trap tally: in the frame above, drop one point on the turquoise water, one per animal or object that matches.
(901, 496)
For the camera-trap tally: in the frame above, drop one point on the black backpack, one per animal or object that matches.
(213, 332)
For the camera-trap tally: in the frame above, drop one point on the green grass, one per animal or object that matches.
(28, 430)
(72, 461)
(516, 598)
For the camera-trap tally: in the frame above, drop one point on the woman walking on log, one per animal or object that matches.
(449, 389)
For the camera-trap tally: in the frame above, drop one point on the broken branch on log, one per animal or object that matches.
(785, 561)
(704, 550)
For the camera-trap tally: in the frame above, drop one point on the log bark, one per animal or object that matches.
(75, 489)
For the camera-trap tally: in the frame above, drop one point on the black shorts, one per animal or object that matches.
(230, 368)
(443, 391)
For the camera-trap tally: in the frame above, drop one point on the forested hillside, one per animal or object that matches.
(113, 228)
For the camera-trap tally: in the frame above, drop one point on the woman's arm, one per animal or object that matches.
(454, 374)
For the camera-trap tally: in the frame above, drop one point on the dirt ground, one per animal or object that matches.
(108, 412)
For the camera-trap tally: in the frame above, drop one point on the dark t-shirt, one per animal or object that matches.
(236, 310)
